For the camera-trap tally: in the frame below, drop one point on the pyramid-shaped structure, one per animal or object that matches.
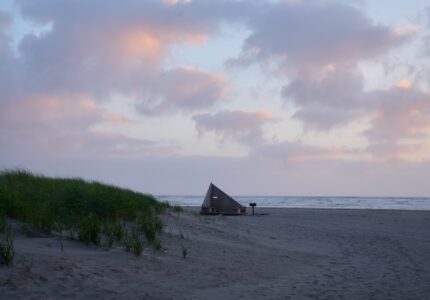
(217, 202)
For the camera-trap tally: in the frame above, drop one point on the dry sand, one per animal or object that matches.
(289, 254)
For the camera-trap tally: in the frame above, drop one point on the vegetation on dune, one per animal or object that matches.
(178, 209)
(7, 251)
(184, 252)
(3, 224)
(91, 212)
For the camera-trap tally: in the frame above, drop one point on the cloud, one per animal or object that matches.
(398, 151)
(311, 34)
(238, 125)
(86, 57)
(8, 70)
(397, 115)
(51, 125)
(425, 40)
(335, 88)
(5, 22)
(400, 113)
(185, 89)
(400, 123)
(332, 98)
(120, 50)
(322, 118)
(292, 152)
(117, 50)
(317, 46)
(403, 84)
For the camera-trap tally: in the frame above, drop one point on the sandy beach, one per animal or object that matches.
(287, 254)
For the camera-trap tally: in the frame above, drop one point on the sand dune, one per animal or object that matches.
(289, 254)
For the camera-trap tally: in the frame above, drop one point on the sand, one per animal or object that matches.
(289, 254)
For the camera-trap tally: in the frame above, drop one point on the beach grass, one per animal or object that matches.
(91, 212)
(7, 250)
(184, 252)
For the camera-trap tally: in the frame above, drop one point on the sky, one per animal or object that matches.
(288, 97)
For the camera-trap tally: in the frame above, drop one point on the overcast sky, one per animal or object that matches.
(294, 97)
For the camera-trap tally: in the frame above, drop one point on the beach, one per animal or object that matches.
(282, 253)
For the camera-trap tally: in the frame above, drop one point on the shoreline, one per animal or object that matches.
(320, 208)
(271, 196)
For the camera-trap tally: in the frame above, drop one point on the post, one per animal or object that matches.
(252, 205)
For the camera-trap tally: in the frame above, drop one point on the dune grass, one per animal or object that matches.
(184, 252)
(91, 212)
(7, 252)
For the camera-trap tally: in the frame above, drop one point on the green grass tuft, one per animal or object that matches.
(113, 232)
(89, 230)
(184, 252)
(136, 242)
(151, 225)
(7, 251)
(177, 209)
(3, 224)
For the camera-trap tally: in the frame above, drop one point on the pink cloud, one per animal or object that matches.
(117, 50)
(394, 151)
(403, 84)
(298, 153)
(400, 113)
(45, 110)
(406, 30)
(59, 126)
(90, 55)
(400, 123)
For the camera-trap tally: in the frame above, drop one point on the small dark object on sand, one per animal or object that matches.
(253, 204)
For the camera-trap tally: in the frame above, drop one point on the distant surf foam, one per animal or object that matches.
(315, 202)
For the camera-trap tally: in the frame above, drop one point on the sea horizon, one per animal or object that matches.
(328, 202)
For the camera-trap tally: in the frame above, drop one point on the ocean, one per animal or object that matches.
(314, 202)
